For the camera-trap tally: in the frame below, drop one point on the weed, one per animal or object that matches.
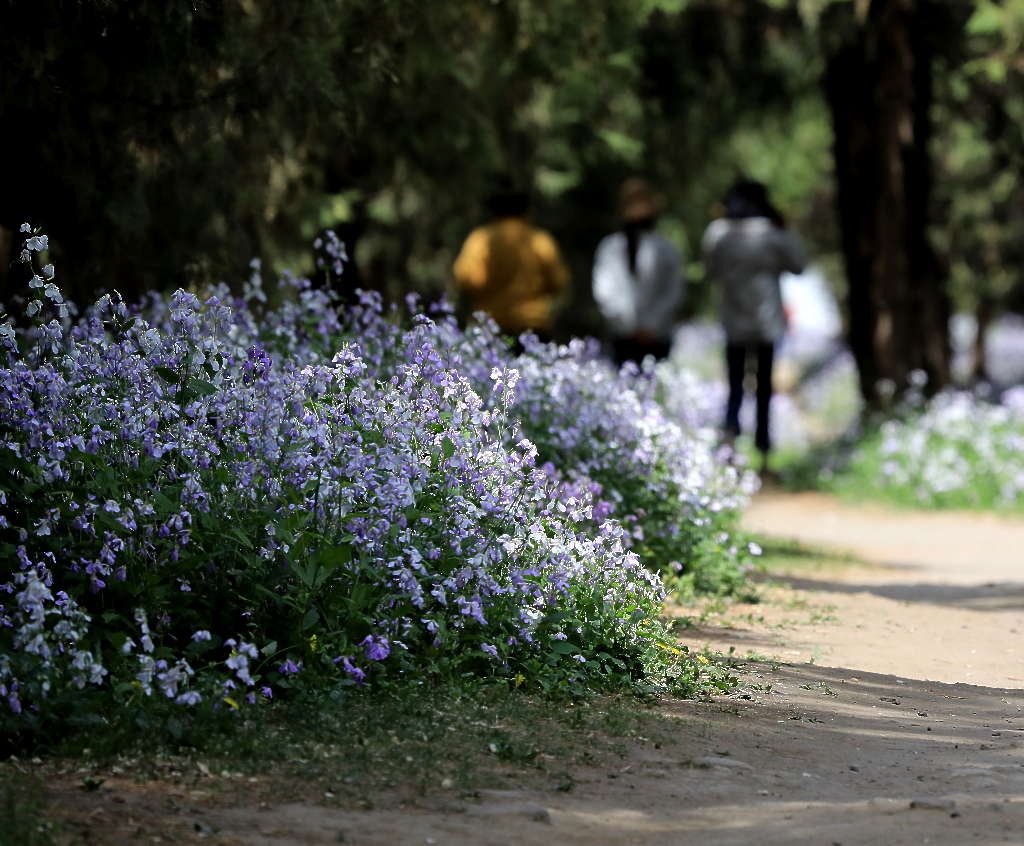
(824, 688)
(404, 739)
(23, 820)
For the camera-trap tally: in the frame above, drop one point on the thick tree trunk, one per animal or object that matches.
(878, 85)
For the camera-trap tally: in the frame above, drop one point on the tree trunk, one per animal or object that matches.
(878, 83)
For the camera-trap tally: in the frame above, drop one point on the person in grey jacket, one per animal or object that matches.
(744, 254)
(638, 279)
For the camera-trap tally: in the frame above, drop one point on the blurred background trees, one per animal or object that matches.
(163, 142)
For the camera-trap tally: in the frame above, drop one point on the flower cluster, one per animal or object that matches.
(637, 450)
(955, 450)
(208, 499)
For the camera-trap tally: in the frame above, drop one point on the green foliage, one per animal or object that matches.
(177, 140)
(425, 739)
(22, 818)
(953, 451)
(979, 148)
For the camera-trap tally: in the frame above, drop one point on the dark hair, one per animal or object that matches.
(508, 200)
(633, 229)
(749, 198)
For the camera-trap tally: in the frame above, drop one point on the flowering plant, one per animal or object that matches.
(207, 501)
(955, 449)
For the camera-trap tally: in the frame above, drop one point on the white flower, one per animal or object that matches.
(25, 228)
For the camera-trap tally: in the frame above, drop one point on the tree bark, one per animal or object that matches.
(878, 82)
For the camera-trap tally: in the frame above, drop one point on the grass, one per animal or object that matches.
(782, 556)
(417, 740)
(407, 744)
(824, 688)
(23, 821)
(851, 469)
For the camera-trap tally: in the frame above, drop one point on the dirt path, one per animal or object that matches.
(884, 707)
(940, 596)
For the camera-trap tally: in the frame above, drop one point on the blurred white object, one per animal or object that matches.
(1004, 348)
(810, 304)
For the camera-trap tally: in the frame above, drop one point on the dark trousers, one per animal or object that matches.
(736, 362)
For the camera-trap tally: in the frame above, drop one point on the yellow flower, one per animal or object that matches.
(702, 659)
(314, 644)
(231, 702)
(520, 678)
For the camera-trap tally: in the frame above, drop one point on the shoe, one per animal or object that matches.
(768, 476)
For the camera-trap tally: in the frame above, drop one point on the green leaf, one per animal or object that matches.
(310, 618)
(623, 145)
(987, 19)
(166, 374)
(240, 537)
(563, 647)
(201, 387)
(336, 556)
(448, 447)
(175, 728)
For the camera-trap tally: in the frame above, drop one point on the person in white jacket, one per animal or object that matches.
(638, 280)
(745, 252)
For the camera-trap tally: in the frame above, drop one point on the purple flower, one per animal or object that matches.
(257, 364)
(353, 671)
(376, 648)
(318, 424)
(289, 666)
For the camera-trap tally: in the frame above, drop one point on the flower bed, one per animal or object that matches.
(955, 450)
(209, 502)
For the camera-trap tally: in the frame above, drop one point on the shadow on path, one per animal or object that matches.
(991, 596)
(813, 755)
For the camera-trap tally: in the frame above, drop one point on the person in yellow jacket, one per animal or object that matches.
(511, 269)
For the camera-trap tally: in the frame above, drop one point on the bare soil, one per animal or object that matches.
(881, 703)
